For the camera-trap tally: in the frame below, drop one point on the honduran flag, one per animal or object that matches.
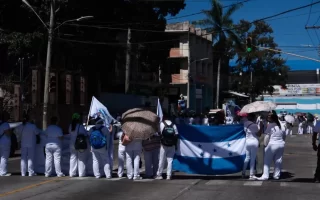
(210, 150)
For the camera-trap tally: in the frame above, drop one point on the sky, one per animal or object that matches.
(289, 29)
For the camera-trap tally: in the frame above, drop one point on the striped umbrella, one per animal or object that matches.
(139, 123)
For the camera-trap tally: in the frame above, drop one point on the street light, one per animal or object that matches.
(51, 30)
(188, 86)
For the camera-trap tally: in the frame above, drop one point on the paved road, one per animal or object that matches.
(299, 165)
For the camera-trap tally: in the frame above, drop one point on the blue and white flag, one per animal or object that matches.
(159, 110)
(97, 109)
(211, 150)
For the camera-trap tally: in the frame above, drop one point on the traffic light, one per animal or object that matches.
(249, 44)
(52, 84)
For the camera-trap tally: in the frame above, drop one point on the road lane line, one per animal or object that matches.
(253, 183)
(29, 187)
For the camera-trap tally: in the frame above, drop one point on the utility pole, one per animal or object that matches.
(218, 84)
(128, 60)
(188, 78)
(48, 64)
(21, 87)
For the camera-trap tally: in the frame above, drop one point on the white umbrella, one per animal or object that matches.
(289, 119)
(258, 106)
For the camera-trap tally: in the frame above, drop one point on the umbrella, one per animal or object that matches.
(258, 106)
(289, 119)
(139, 123)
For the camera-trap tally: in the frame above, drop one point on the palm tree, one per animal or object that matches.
(219, 23)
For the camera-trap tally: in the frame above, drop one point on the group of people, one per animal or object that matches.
(158, 150)
(274, 143)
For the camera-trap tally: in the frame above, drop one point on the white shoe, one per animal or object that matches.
(252, 177)
(61, 175)
(168, 177)
(262, 178)
(34, 174)
(137, 178)
(7, 174)
(276, 178)
(159, 178)
(47, 175)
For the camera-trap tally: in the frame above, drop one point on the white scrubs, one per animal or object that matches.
(121, 158)
(5, 145)
(110, 147)
(133, 152)
(27, 133)
(101, 156)
(273, 151)
(77, 159)
(166, 154)
(205, 121)
(252, 144)
(53, 150)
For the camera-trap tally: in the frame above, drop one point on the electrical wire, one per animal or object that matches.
(309, 14)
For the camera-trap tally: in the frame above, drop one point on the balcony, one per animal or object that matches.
(178, 53)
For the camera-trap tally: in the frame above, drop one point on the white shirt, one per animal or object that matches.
(205, 121)
(79, 129)
(105, 132)
(191, 121)
(53, 132)
(251, 129)
(5, 140)
(27, 133)
(169, 123)
(276, 134)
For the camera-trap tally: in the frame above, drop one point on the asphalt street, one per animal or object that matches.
(296, 183)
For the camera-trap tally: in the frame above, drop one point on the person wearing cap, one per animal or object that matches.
(77, 158)
(27, 133)
(53, 148)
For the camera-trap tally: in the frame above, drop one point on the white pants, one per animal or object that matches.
(151, 159)
(53, 152)
(166, 153)
(251, 154)
(133, 156)
(273, 152)
(110, 150)
(300, 129)
(100, 157)
(78, 162)
(121, 158)
(4, 154)
(27, 160)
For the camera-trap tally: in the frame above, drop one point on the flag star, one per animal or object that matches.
(199, 145)
(201, 154)
(229, 144)
(214, 150)
(230, 154)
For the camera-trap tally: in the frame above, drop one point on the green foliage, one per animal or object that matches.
(268, 68)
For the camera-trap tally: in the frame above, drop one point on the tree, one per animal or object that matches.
(220, 24)
(268, 68)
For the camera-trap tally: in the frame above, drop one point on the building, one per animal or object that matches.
(191, 64)
(302, 92)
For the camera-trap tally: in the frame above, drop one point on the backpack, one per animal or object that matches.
(168, 135)
(97, 139)
(81, 141)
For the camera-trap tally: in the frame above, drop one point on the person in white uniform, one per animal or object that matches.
(253, 132)
(99, 150)
(205, 120)
(169, 139)
(121, 155)
(151, 149)
(274, 143)
(5, 145)
(133, 152)
(27, 132)
(316, 148)
(53, 147)
(77, 158)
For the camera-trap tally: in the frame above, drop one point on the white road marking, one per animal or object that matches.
(253, 183)
(115, 179)
(144, 180)
(217, 182)
(284, 184)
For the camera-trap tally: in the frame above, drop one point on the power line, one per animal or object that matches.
(309, 13)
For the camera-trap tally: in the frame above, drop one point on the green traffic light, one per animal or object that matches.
(249, 49)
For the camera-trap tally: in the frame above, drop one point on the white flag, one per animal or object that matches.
(159, 110)
(97, 109)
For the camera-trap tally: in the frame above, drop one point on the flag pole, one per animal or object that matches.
(89, 113)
